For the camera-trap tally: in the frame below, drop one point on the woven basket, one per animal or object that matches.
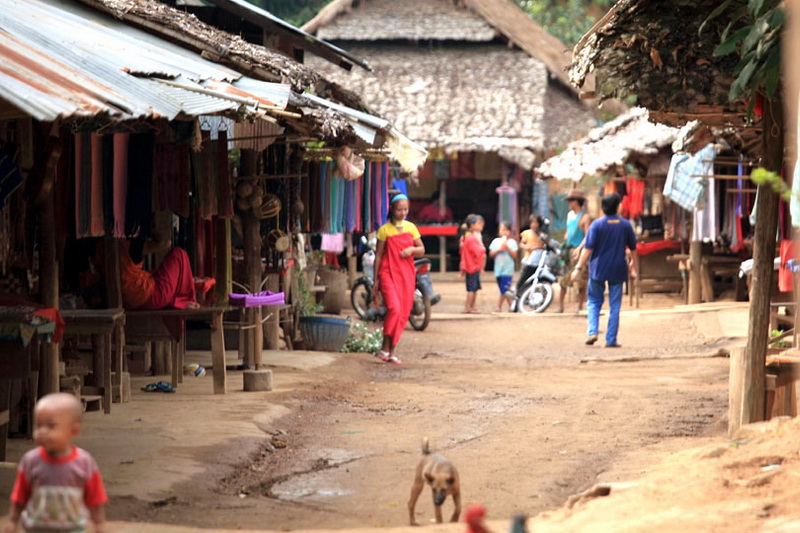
(335, 297)
(322, 333)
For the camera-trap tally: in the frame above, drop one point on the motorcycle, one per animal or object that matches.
(536, 293)
(361, 296)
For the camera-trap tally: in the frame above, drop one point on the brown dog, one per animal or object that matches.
(443, 478)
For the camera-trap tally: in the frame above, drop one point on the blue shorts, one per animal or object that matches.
(504, 282)
(474, 282)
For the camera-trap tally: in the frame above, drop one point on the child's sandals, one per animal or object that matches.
(386, 357)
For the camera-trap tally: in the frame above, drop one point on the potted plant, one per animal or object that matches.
(319, 332)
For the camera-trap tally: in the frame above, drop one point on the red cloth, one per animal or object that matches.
(785, 276)
(432, 213)
(442, 230)
(174, 283)
(397, 283)
(644, 248)
(472, 254)
(633, 202)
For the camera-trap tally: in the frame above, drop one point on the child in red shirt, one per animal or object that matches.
(473, 260)
(58, 485)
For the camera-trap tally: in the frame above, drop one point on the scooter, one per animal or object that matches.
(361, 296)
(536, 293)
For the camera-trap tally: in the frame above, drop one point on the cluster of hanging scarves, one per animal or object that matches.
(340, 206)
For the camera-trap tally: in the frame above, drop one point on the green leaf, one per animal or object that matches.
(729, 45)
(756, 33)
(714, 14)
(755, 6)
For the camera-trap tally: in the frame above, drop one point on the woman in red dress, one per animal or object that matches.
(399, 243)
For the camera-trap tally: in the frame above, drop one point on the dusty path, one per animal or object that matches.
(507, 398)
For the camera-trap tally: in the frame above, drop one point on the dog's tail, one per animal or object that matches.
(425, 446)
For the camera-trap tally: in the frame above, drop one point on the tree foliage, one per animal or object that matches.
(754, 34)
(568, 20)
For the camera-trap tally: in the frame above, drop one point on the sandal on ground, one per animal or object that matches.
(161, 386)
(473, 311)
(383, 356)
(394, 360)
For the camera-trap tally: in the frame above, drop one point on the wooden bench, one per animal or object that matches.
(782, 371)
(167, 325)
(154, 326)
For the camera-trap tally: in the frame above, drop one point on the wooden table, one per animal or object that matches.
(15, 363)
(151, 326)
(102, 325)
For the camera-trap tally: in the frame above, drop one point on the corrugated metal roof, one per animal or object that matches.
(61, 60)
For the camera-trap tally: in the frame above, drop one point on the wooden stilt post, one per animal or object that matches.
(271, 336)
(223, 264)
(753, 400)
(695, 271)
(253, 271)
(40, 192)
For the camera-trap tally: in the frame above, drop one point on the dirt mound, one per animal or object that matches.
(747, 484)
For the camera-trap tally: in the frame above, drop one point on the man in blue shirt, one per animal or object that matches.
(605, 248)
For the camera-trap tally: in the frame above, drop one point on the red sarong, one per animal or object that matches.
(397, 282)
(174, 282)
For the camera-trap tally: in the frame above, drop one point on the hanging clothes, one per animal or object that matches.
(560, 211)
(120, 179)
(785, 274)
(224, 183)
(10, 177)
(686, 182)
(541, 201)
(507, 208)
(705, 227)
(139, 200)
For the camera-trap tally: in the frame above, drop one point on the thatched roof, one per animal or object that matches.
(466, 98)
(439, 20)
(652, 49)
(614, 143)
(253, 60)
(465, 89)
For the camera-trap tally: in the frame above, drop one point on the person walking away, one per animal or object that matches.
(503, 250)
(578, 221)
(58, 485)
(473, 260)
(532, 245)
(605, 250)
(399, 242)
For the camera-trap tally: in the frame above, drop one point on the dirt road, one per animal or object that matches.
(528, 413)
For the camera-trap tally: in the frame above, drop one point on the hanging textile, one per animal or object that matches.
(83, 185)
(560, 211)
(785, 274)
(507, 207)
(686, 179)
(632, 203)
(705, 220)
(366, 198)
(139, 200)
(108, 184)
(541, 203)
(224, 184)
(120, 191)
(10, 178)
